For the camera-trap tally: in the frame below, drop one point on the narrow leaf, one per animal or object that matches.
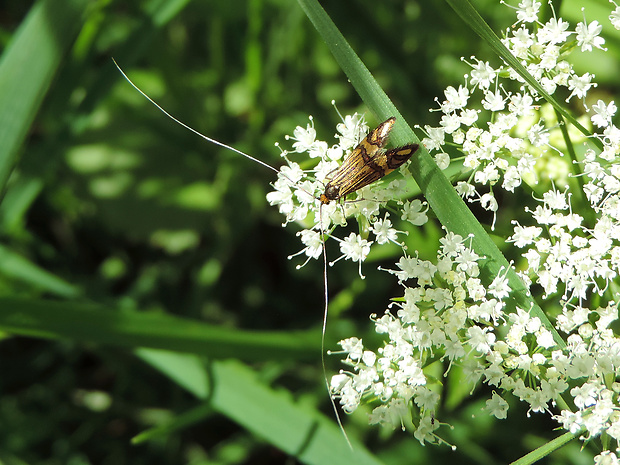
(234, 390)
(27, 68)
(19, 268)
(545, 449)
(93, 324)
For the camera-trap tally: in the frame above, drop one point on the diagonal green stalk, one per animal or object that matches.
(545, 449)
(450, 209)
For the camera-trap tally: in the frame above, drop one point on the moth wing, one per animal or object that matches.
(368, 162)
(393, 159)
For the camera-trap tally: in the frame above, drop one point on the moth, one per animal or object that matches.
(367, 163)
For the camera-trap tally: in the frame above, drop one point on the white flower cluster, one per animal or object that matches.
(505, 146)
(296, 194)
(438, 316)
(447, 314)
(576, 256)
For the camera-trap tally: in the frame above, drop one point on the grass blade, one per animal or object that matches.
(27, 68)
(546, 449)
(89, 323)
(234, 390)
(17, 267)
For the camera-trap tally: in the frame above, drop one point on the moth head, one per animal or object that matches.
(331, 193)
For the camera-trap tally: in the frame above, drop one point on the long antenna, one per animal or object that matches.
(176, 120)
(260, 162)
(325, 311)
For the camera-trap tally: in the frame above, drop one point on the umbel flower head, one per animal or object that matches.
(297, 194)
(568, 245)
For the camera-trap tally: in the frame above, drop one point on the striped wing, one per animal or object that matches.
(367, 163)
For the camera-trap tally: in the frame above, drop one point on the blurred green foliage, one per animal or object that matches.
(112, 203)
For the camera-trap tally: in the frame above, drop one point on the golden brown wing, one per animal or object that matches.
(367, 163)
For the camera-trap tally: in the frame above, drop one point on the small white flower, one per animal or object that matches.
(292, 172)
(493, 101)
(335, 153)
(312, 240)
(500, 288)
(489, 175)
(549, 58)
(318, 149)
(435, 139)
(424, 431)
(450, 123)
(468, 117)
(570, 421)
(304, 137)
(528, 11)
(549, 85)
(606, 457)
(580, 85)
(354, 348)
(521, 40)
(614, 17)
(352, 130)
(442, 160)
(544, 339)
(324, 169)
(521, 104)
(383, 231)
(489, 202)
(455, 99)
(512, 179)
(355, 248)
(414, 212)
(465, 189)
(467, 262)
(603, 113)
(554, 32)
(588, 36)
(585, 395)
(480, 339)
(482, 75)
(538, 135)
(314, 245)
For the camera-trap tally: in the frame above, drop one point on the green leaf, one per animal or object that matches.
(27, 68)
(450, 209)
(180, 422)
(234, 390)
(18, 199)
(93, 324)
(19, 268)
(545, 449)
